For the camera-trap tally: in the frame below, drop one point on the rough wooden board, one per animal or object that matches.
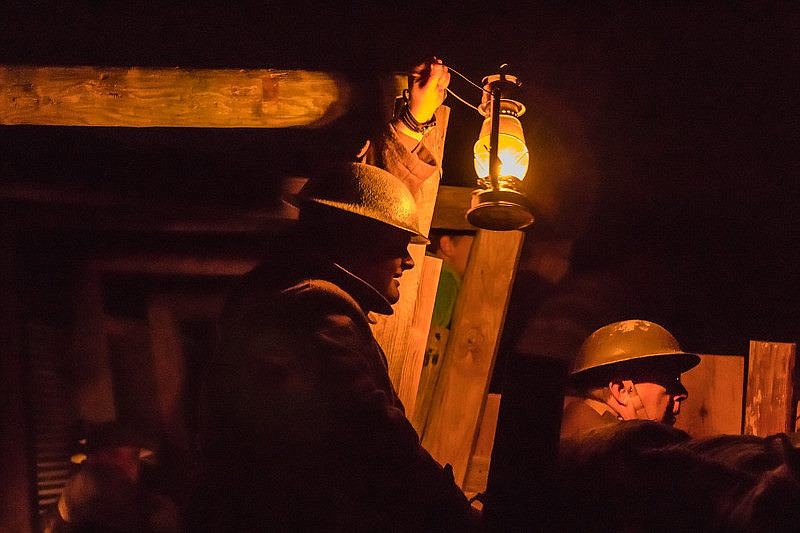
(94, 386)
(478, 468)
(469, 359)
(452, 205)
(169, 368)
(418, 335)
(173, 264)
(147, 97)
(769, 402)
(429, 375)
(716, 388)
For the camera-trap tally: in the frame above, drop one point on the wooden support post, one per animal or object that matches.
(392, 332)
(420, 325)
(478, 468)
(461, 391)
(94, 386)
(769, 404)
(716, 389)
(170, 97)
(168, 369)
(523, 470)
(452, 204)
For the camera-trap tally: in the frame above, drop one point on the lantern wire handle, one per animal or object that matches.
(463, 101)
(460, 99)
(467, 79)
(451, 69)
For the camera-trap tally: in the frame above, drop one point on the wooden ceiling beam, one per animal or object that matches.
(170, 97)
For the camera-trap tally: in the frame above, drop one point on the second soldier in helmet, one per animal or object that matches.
(627, 370)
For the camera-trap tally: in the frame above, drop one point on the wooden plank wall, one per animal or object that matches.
(418, 335)
(478, 468)
(170, 97)
(770, 406)
(716, 389)
(452, 426)
(94, 383)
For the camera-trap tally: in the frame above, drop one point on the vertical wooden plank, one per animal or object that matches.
(429, 374)
(168, 368)
(716, 389)
(478, 468)
(420, 325)
(523, 469)
(769, 404)
(392, 332)
(477, 322)
(15, 494)
(94, 383)
(135, 390)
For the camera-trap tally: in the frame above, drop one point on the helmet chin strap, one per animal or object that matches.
(633, 394)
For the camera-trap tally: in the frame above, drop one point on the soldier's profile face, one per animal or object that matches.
(382, 260)
(662, 399)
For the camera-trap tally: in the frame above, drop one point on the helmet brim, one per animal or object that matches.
(300, 201)
(677, 362)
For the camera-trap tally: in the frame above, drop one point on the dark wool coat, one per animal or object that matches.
(303, 429)
(579, 417)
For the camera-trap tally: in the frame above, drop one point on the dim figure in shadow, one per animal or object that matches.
(629, 370)
(302, 429)
(107, 492)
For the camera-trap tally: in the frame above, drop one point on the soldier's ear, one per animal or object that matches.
(446, 245)
(618, 391)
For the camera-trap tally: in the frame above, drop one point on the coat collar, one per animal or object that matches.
(365, 294)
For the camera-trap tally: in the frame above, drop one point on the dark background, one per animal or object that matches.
(663, 136)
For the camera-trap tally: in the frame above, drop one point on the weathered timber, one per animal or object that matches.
(435, 349)
(452, 205)
(418, 335)
(769, 402)
(167, 264)
(148, 97)
(716, 389)
(169, 368)
(478, 468)
(41, 205)
(94, 384)
(471, 349)
(392, 332)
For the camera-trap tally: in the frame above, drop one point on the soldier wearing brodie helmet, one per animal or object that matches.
(301, 428)
(625, 371)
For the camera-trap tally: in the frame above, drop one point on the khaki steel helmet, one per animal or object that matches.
(368, 191)
(636, 345)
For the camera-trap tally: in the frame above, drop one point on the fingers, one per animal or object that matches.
(433, 70)
(427, 84)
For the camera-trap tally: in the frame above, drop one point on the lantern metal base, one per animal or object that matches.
(499, 210)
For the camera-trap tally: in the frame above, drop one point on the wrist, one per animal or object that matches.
(407, 118)
(405, 130)
(420, 116)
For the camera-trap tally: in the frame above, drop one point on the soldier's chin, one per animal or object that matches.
(669, 419)
(392, 296)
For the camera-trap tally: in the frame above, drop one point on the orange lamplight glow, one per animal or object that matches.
(511, 150)
(501, 160)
